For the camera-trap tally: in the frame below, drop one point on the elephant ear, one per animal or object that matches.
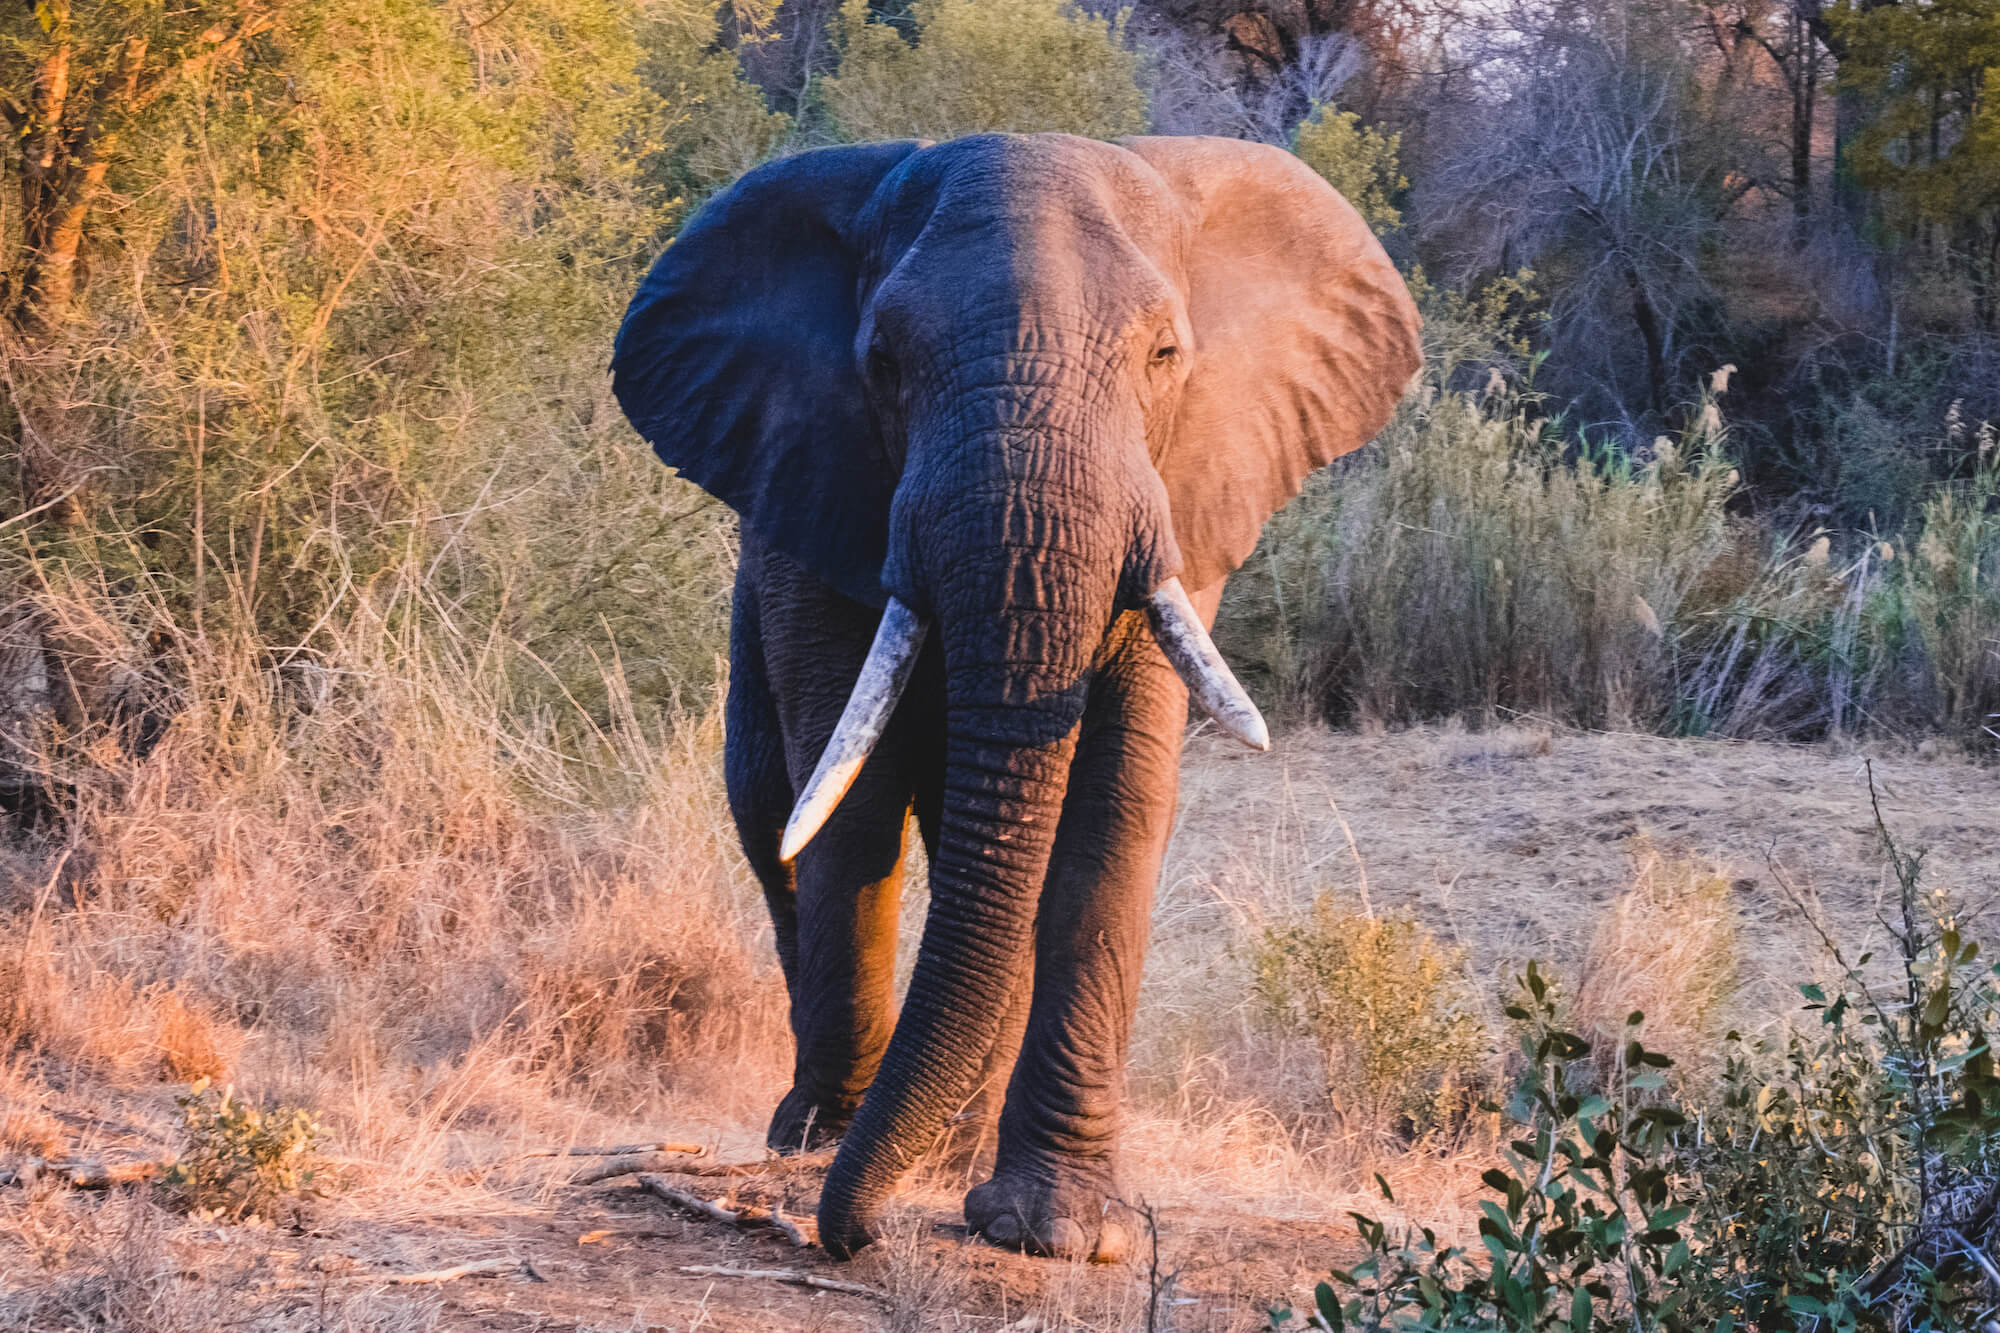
(1305, 338)
(736, 362)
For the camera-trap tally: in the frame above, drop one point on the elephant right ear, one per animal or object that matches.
(736, 362)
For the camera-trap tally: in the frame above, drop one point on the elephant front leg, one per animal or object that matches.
(849, 890)
(1055, 1183)
(835, 907)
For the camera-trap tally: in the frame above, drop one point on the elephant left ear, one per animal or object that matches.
(1305, 338)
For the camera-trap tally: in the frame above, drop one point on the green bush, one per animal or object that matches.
(1388, 1008)
(1846, 1176)
(1359, 162)
(241, 1161)
(984, 65)
(344, 345)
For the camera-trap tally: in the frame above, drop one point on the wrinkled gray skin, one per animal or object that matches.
(1017, 382)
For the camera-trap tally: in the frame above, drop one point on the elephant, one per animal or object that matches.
(998, 415)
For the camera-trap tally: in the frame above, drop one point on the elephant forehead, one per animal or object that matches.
(1051, 223)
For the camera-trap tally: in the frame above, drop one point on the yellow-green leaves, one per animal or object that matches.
(984, 65)
(1358, 161)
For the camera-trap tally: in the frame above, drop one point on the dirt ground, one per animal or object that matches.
(1511, 842)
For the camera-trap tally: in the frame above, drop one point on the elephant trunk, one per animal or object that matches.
(1020, 624)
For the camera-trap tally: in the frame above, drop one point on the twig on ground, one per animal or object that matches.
(770, 1166)
(625, 1166)
(694, 1203)
(85, 1175)
(474, 1268)
(747, 1216)
(788, 1227)
(791, 1275)
(656, 1154)
(619, 1150)
(477, 1268)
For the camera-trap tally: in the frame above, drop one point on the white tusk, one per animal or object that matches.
(1210, 682)
(890, 660)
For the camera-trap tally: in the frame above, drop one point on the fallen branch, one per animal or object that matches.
(791, 1275)
(694, 1203)
(653, 1152)
(787, 1227)
(769, 1166)
(625, 1166)
(477, 1268)
(747, 1216)
(618, 1150)
(85, 1175)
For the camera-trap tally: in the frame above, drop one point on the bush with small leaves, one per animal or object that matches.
(242, 1161)
(984, 65)
(1356, 160)
(1389, 1009)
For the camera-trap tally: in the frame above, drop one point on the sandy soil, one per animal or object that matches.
(1511, 842)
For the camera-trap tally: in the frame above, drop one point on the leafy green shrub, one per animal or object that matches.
(1847, 1176)
(984, 65)
(1356, 160)
(1387, 1006)
(240, 1161)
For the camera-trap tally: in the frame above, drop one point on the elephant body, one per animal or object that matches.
(1018, 391)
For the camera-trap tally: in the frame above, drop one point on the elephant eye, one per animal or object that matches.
(1165, 351)
(881, 366)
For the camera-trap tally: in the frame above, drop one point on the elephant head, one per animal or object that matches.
(1010, 387)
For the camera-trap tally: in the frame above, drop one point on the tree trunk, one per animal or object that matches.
(1805, 102)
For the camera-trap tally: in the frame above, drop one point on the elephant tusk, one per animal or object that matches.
(891, 658)
(1192, 653)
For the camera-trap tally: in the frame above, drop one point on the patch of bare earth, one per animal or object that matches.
(1514, 843)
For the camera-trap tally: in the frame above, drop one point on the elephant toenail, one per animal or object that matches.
(1004, 1230)
(1066, 1239)
(1113, 1244)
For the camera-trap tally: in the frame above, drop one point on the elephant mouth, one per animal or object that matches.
(893, 656)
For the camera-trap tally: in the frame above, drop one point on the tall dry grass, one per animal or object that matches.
(383, 882)
(1482, 562)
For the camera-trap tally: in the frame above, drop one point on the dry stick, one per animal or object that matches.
(770, 1166)
(477, 1268)
(625, 1166)
(749, 1215)
(791, 1275)
(618, 1150)
(692, 1202)
(85, 1175)
(789, 1228)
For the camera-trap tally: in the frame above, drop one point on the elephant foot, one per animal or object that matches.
(1059, 1215)
(804, 1123)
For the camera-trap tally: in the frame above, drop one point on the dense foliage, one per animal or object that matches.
(306, 308)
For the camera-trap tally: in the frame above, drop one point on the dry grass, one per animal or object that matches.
(379, 887)
(453, 925)
(1667, 948)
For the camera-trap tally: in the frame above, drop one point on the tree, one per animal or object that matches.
(1357, 161)
(977, 65)
(75, 76)
(1932, 147)
(1604, 162)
